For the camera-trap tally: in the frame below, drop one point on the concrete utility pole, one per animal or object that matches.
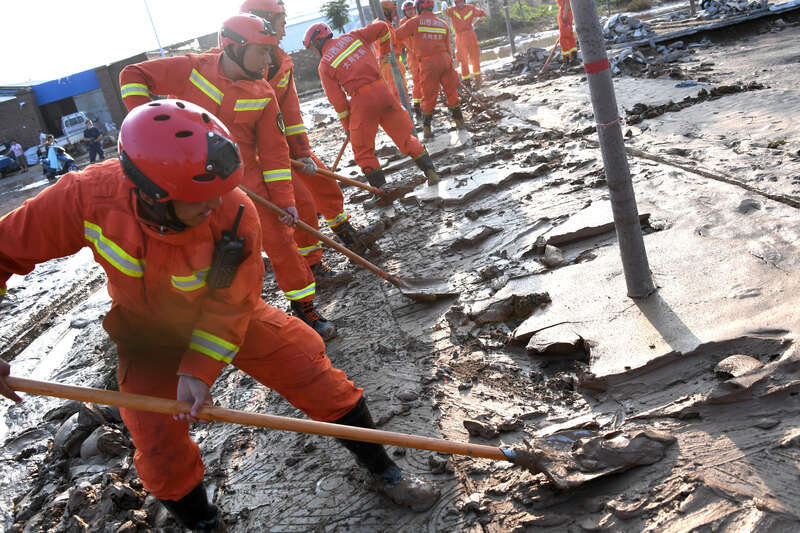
(508, 29)
(398, 79)
(692, 7)
(361, 13)
(612, 147)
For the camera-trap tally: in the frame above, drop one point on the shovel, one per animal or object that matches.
(153, 404)
(419, 290)
(335, 166)
(544, 67)
(492, 114)
(386, 196)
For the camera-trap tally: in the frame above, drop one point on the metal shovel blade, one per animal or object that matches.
(424, 289)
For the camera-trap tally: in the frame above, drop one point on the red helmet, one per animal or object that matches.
(460, 1)
(408, 4)
(422, 5)
(388, 5)
(176, 150)
(265, 9)
(316, 34)
(244, 29)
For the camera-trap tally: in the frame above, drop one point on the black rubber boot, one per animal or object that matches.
(325, 276)
(388, 479)
(417, 111)
(427, 119)
(305, 311)
(458, 117)
(376, 177)
(425, 164)
(349, 236)
(195, 513)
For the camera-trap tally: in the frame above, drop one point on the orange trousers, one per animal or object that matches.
(566, 37)
(416, 90)
(327, 195)
(309, 246)
(291, 269)
(434, 71)
(376, 106)
(279, 351)
(468, 52)
(386, 74)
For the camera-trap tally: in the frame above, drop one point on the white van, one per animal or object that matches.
(73, 126)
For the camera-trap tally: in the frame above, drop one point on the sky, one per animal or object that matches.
(47, 39)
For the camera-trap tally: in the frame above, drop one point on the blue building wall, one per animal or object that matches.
(52, 91)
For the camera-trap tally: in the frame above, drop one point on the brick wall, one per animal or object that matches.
(108, 76)
(21, 122)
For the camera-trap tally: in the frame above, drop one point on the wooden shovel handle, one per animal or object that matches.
(219, 414)
(552, 51)
(350, 181)
(327, 240)
(335, 166)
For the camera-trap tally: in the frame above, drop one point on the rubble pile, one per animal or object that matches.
(711, 9)
(621, 28)
(531, 60)
(84, 478)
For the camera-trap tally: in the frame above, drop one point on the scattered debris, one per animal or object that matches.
(620, 28)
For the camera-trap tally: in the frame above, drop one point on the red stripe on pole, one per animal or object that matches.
(597, 66)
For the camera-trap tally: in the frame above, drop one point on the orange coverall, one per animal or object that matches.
(327, 195)
(430, 37)
(413, 66)
(250, 110)
(383, 51)
(348, 68)
(566, 37)
(467, 49)
(163, 317)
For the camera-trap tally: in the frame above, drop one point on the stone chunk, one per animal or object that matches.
(521, 306)
(480, 429)
(560, 340)
(736, 365)
(473, 238)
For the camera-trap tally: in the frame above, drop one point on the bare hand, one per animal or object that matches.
(5, 390)
(291, 216)
(195, 391)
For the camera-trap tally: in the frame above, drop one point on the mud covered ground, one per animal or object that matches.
(540, 344)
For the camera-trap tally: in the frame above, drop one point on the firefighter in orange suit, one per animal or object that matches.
(413, 64)
(347, 68)
(230, 84)
(462, 17)
(430, 38)
(153, 220)
(566, 37)
(383, 50)
(326, 193)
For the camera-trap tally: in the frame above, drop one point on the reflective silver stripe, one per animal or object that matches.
(308, 249)
(251, 105)
(206, 86)
(277, 175)
(215, 347)
(301, 293)
(112, 252)
(284, 81)
(350, 49)
(333, 222)
(344, 114)
(386, 37)
(192, 282)
(134, 89)
(296, 129)
(431, 29)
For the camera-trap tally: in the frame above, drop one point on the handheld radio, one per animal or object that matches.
(227, 256)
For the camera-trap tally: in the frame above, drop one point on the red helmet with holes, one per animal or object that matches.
(422, 5)
(176, 150)
(243, 29)
(316, 34)
(265, 9)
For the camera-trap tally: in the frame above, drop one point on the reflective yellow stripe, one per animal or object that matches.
(344, 114)
(457, 15)
(296, 129)
(2, 291)
(192, 282)
(333, 222)
(386, 37)
(281, 174)
(256, 104)
(301, 293)
(416, 100)
(213, 346)
(134, 89)
(308, 249)
(206, 86)
(468, 15)
(430, 29)
(570, 51)
(284, 81)
(468, 76)
(350, 49)
(111, 251)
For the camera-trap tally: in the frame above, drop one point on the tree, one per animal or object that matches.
(337, 13)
